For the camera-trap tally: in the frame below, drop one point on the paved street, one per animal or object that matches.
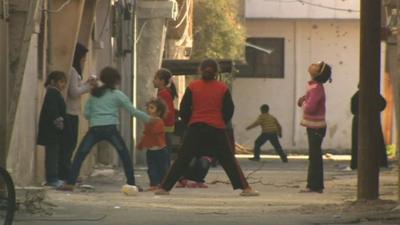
(280, 201)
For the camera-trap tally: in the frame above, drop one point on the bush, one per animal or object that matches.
(217, 30)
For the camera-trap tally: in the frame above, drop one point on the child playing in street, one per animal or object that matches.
(313, 105)
(102, 111)
(153, 141)
(270, 131)
(51, 125)
(166, 91)
(206, 108)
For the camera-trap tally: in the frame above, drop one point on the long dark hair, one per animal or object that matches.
(80, 52)
(110, 78)
(209, 69)
(166, 75)
(54, 77)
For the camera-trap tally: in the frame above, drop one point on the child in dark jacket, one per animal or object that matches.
(51, 125)
(270, 131)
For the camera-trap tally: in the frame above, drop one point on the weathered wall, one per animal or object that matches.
(336, 42)
(150, 46)
(3, 84)
(23, 151)
(22, 82)
(298, 9)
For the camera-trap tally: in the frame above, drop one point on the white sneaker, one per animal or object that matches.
(347, 168)
(130, 190)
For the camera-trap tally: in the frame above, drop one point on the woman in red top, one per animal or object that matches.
(206, 108)
(166, 91)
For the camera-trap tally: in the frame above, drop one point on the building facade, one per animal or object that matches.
(294, 35)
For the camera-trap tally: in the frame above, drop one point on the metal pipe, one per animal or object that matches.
(49, 38)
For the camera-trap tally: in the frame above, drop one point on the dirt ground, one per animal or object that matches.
(279, 203)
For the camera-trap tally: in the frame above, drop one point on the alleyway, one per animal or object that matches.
(280, 201)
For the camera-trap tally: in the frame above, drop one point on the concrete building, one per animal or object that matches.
(298, 34)
(38, 36)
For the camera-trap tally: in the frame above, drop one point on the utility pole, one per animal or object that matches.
(396, 85)
(368, 170)
(3, 85)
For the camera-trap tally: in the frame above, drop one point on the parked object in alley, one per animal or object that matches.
(8, 198)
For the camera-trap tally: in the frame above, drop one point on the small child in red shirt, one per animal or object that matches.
(153, 140)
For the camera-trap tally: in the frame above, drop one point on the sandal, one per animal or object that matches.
(182, 183)
(308, 190)
(152, 188)
(161, 191)
(249, 193)
(202, 185)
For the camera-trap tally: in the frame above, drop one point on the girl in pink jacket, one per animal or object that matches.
(313, 105)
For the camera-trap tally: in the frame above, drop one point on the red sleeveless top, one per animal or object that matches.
(207, 102)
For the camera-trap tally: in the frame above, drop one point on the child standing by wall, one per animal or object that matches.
(166, 91)
(153, 141)
(102, 111)
(270, 131)
(313, 105)
(51, 125)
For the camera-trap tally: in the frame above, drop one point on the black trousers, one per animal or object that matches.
(198, 169)
(52, 153)
(202, 139)
(71, 129)
(354, 143)
(382, 155)
(315, 177)
(273, 138)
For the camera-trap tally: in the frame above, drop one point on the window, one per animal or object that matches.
(265, 58)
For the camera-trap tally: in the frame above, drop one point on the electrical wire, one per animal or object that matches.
(186, 6)
(105, 20)
(59, 9)
(140, 32)
(315, 5)
(328, 7)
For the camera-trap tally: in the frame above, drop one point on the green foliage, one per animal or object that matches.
(218, 33)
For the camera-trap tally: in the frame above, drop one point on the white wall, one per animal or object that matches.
(23, 154)
(295, 9)
(334, 41)
(250, 93)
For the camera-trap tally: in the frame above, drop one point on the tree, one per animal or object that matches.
(218, 33)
